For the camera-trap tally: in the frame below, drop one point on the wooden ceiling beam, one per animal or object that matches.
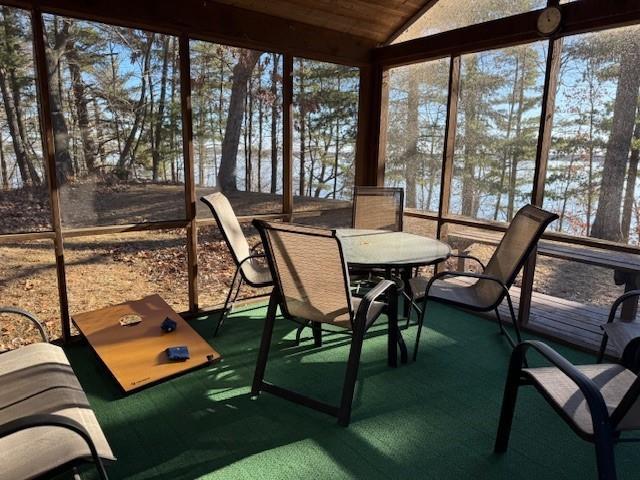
(216, 22)
(577, 17)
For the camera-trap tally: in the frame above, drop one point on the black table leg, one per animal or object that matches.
(404, 358)
(393, 331)
(405, 275)
(394, 337)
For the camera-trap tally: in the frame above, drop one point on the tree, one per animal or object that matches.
(55, 47)
(247, 60)
(607, 222)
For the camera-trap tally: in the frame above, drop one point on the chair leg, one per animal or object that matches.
(508, 408)
(225, 309)
(603, 347)
(351, 376)
(317, 333)
(299, 332)
(420, 322)
(514, 319)
(265, 344)
(605, 458)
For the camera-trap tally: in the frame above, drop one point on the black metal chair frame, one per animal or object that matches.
(482, 276)
(228, 303)
(604, 435)
(359, 327)
(612, 315)
(51, 420)
(494, 306)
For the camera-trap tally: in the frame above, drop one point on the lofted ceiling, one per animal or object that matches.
(375, 20)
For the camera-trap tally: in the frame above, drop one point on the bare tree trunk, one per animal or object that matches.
(471, 102)
(161, 107)
(139, 110)
(3, 166)
(630, 187)
(11, 98)
(228, 163)
(274, 124)
(12, 123)
(412, 132)
(173, 122)
(64, 163)
(260, 128)
(607, 220)
(516, 153)
(80, 100)
(114, 79)
(99, 138)
(303, 121)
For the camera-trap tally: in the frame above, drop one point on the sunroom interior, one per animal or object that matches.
(118, 116)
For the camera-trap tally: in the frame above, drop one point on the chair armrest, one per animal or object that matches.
(51, 420)
(31, 317)
(618, 301)
(250, 257)
(371, 296)
(470, 257)
(591, 392)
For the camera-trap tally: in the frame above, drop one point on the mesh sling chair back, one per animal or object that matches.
(312, 284)
(378, 208)
(599, 401)
(248, 268)
(492, 285)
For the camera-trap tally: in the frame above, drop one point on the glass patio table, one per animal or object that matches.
(391, 251)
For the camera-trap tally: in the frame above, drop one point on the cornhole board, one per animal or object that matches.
(135, 354)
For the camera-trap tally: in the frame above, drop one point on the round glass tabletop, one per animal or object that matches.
(380, 248)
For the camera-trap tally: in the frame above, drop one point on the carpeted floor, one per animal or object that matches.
(434, 419)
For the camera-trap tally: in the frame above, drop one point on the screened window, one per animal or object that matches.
(24, 197)
(416, 129)
(497, 131)
(237, 126)
(325, 128)
(593, 165)
(115, 103)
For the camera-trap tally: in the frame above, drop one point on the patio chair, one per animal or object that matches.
(620, 333)
(46, 423)
(248, 269)
(378, 208)
(599, 402)
(492, 285)
(312, 284)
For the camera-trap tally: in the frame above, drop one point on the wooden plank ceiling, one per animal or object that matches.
(375, 20)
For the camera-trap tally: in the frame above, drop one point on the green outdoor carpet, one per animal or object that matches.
(435, 418)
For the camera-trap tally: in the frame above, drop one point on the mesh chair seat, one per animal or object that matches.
(613, 381)
(338, 317)
(466, 296)
(38, 379)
